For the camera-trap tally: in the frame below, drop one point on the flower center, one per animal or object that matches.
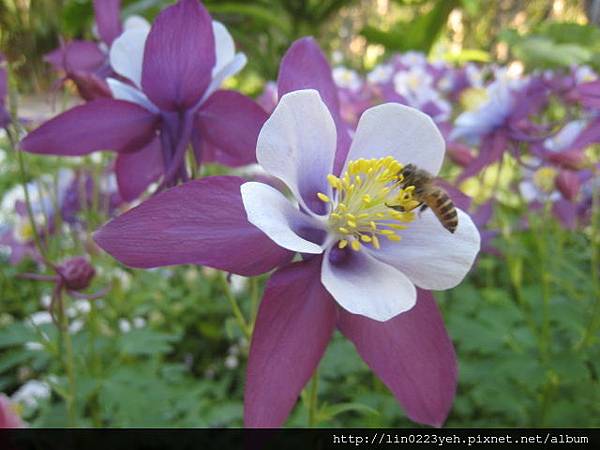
(544, 177)
(473, 98)
(362, 200)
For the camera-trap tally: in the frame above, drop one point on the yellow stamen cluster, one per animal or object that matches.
(361, 213)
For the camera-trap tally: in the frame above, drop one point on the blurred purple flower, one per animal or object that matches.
(172, 101)
(206, 222)
(86, 62)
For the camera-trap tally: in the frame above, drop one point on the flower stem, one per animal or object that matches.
(68, 361)
(595, 263)
(237, 312)
(313, 399)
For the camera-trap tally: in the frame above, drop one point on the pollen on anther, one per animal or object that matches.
(323, 197)
(355, 245)
(343, 243)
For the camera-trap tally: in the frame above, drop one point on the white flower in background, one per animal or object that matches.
(30, 394)
(238, 283)
(347, 79)
(413, 59)
(124, 325)
(139, 322)
(381, 74)
(373, 255)
(584, 74)
(231, 362)
(539, 184)
(414, 84)
(40, 318)
(34, 346)
(76, 326)
(127, 55)
(565, 137)
(475, 75)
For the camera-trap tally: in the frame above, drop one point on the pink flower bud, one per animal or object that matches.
(568, 183)
(570, 159)
(460, 154)
(76, 273)
(8, 417)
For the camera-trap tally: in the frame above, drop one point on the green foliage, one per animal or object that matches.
(417, 34)
(554, 45)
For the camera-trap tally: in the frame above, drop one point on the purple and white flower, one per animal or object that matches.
(175, 69)
(340, 215)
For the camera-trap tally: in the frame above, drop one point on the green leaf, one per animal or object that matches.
(146, 342)
(16, 334)
(328, 412)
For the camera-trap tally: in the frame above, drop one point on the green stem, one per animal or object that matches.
(591, 328)
(67, 346)
(237, 312)
(313, 399)
(96, 363)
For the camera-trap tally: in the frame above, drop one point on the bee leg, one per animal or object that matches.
(422, 209)
(396, 207)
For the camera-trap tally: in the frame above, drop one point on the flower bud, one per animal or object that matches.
(568, 183)
(460, 154)
(76, 273)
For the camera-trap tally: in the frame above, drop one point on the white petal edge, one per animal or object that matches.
(297, 144)
(235, 65)
(123, 91)
(274, 215)
(363, 285)
(127, 54)
(136, 22)
(400, 131)
(224, 46)
(429, 255)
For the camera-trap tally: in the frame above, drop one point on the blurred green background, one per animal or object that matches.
(355, 32)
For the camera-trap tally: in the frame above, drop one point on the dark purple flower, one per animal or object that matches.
(174, 70)
(206, 222)
(76, 273)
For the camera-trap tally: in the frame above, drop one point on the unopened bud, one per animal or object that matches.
(568, 183)
(76, 273)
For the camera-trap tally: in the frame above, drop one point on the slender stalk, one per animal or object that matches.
(237, 312)
(595, 264)
(313, 399)
(68, 361)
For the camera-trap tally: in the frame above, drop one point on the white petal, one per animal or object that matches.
(127, 54)
(429, 255)
(234, 66)
(224, 46)
(272, 213)
(400, 131)
(363, 285)
(136, 22)
(297, 145)
(123, 91)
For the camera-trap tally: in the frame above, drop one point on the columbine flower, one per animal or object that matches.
(205, 222)
(86, 62)
(175, 69)
(346, 218)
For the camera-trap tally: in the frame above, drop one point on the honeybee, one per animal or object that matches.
(428, 194)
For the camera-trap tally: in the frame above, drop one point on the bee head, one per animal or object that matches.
(408, 172)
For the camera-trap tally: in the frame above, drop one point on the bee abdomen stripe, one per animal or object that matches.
(450, 215)
(448, 206)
